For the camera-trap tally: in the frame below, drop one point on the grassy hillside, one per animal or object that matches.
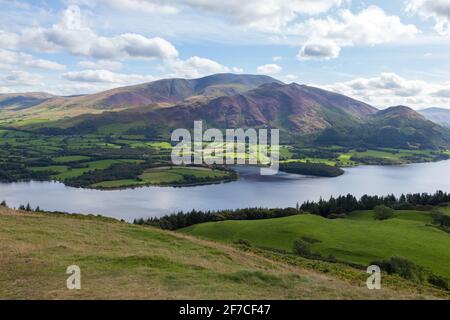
(122, 261)
(358, 239)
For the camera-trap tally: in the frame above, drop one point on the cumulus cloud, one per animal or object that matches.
(439, 10)
(319, 49)
(266, 15)
(196, 67)
(290, 77)
(8, 39)
(74, 34)
(68, 88)
(442, 93)
(101, 64)
(20, 78)
(270, 15)
(269, 69)
(89, 81)
(11, 59)
(370, 26)
(392, 89)
(147, 6)
(105, 76)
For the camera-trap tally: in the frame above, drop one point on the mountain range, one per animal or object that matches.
(227, 101)
(438, 115)
(161, 93)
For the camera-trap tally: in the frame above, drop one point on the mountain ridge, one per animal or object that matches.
(438, 115)
(157, 94)
(246, 101)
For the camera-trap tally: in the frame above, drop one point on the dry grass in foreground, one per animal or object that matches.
(122, 261)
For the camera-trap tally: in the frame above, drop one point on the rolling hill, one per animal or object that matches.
(122, 261)
(21, 101)
(357, 239)
(438, 115)
(394, 127)
(402, 126)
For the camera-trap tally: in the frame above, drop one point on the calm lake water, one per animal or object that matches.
(252, 190)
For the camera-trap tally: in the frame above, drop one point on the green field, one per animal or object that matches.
(68, 159)
(34, 156)
(166, 176)
(66, 172)
(358, 239)
(347, 157)
(122, 261)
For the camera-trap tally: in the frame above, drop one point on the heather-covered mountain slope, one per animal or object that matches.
(161, 93)
(292, 108)
(238, 101)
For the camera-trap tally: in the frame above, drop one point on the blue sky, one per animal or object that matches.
(382, 52)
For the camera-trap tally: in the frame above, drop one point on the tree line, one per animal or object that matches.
(349, 203)
(332, 208)
(182, 220)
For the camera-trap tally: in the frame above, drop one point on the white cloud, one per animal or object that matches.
(74, 34)
(371, 26)
(106, 76)
(8, 39)
(11, 59)
(196, 67)
(442, 93)
(43, 64)
(269, 69)
(20, 78)
(76, 88)
(277, 58)
(265, 15)
(439, 10)
(290, 77)
(147, 6)
(101, 64)
(269, 15)
(392, 89)
(4, 90)
(319, 49)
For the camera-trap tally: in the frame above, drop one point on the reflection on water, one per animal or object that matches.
(251, 190)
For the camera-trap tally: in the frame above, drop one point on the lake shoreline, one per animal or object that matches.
(218, 182)
(250, 190)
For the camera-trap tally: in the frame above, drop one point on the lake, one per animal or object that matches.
(251, 190)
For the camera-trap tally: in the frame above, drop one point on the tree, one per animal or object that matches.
(3, 204)
(302, 248)
(438, 282)
(383, 213)
(441, 219)
(401, 266)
